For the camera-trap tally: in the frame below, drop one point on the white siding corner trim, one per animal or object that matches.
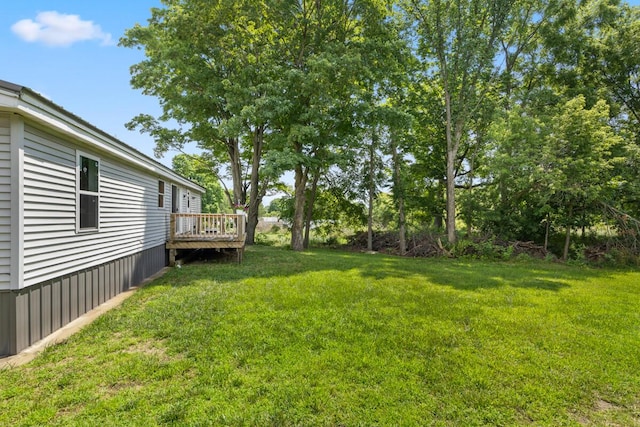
(17, 201)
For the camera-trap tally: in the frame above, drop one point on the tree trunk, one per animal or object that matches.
(297, 238)
(451, 198)
(309, 208)
(437, 221)
(438, 218)
(370, 224)
(402, 228)
(469, 214)
(233, 148)
(254, 198)
(398, 192)
(547, 227)
(503, 177)
(372, 187)
(452, 154)
(252, 224)
(567, 238)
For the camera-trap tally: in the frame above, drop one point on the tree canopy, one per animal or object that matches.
(517, 119)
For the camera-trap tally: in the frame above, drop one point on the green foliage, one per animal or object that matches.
(332, 213)
(458, 42)
(274, 237)
(516, 119)
(331, 56)
(276, 206)
(482, 249)
(334, 338)
(577, 254)
(621, 257)
(578, 151)
(211, 66)
(559, 168)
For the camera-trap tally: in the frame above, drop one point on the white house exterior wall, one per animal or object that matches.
(197, 203)
(189, 202)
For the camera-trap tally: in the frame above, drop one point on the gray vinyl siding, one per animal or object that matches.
(130, 220)
(5, 202)
(50, 273)
(129, 207)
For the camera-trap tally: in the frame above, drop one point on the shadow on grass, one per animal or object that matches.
(469, 275)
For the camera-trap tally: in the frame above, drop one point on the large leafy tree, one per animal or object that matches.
(328, 55)
(585, 50)
(236, 76)
(459, 40)
(208, 63)
(578, 155)
(619, 63)
(612, 62)
(562, 163)
(516, 205)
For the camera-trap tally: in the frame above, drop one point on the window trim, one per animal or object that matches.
(162, 195)
(79, 192)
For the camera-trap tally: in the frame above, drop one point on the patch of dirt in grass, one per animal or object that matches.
(117, 387)
(152, 348)
(605, 412)
(603, 405)
(69, 411)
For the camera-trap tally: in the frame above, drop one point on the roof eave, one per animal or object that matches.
(30, 103)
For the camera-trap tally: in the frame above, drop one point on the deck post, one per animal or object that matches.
(172, 227)
(241, 224)
(172, 257)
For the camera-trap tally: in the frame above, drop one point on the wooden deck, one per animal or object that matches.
(202, 231)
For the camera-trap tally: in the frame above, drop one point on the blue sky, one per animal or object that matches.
(67, 50)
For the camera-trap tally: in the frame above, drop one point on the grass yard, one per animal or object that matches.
(335, 338)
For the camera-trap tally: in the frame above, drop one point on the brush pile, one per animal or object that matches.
(424, 245)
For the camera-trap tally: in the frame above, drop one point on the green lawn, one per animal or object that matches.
(334, 338)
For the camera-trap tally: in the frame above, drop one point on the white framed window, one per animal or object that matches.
(88, 193)
(160, 194)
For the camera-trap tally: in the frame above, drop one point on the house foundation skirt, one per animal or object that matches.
(30, 314)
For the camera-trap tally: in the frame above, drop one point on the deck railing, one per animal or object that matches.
(193, 227)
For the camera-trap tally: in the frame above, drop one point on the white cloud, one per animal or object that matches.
(59, 29)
